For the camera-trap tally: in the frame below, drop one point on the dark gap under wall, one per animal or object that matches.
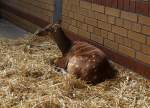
(0, 10)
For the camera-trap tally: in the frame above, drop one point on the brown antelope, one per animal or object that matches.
(85, 61)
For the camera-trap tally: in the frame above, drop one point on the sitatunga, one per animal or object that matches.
(84, 60)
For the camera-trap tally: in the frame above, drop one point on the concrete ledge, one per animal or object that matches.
(17, 16)
(23, 23)
(11, 31)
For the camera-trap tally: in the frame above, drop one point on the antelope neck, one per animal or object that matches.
(63, 42)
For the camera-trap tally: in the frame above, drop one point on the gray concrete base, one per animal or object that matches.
(9, 30)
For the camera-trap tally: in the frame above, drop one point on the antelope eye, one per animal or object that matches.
(59, 70)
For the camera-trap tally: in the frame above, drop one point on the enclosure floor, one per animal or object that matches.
(9, 30)
(28, 80)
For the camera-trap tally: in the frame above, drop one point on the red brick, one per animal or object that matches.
(104, 25)
(98, 8)
(86, 5)
(73, 29)
(148, 41)
(97, 31)
(108, 3)
(136, 45)
(137, 37)
(146, 49)
(132, 6)
(84, 34)
(142, 57)
(146, 30)
(127, 42)
(91, 21)
(126, 5)
(103, 2)
(120, 4)
(114, 3)
(110, 44)
(97, 38)
(104, 33)
(111, 19)
(90, 28)
(119, 39)
(84, 12)
(129, 16)
(136, 27)
(119, 30)
(127, 24)
(127, 51)
(119, 22)
(102, 17)
(142, 7)
(111, 36)
(144, 20)
(112, 11)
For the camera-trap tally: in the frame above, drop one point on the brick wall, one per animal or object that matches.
(42, 9)
(125, 32)
(136, 6)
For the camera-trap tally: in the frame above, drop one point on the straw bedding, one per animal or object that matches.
(27, 81)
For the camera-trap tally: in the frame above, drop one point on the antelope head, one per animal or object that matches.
(54, 28)
(58, 35)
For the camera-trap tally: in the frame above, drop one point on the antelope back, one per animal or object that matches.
(85, 49)
(89, 63)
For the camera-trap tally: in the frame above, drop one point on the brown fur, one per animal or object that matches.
(83, 60)
(87, 62)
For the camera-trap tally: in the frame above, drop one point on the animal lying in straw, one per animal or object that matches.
(85, 61)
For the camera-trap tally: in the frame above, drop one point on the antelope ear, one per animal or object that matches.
(51, 29)
(56, 26)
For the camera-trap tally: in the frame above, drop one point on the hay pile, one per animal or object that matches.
(27, 81)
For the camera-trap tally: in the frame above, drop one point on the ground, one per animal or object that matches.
(27, 81)
(10, 30)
